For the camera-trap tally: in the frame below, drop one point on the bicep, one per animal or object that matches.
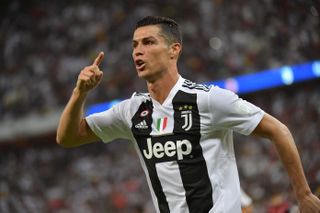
(86, 134)
(269, 127)
(82, 135)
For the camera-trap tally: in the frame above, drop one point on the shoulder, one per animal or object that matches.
(139, 95)
(126, 108)
(219, 94)
(131, 103)
(195, 86)
(136, 100)
(205, 91)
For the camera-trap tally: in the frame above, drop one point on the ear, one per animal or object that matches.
(175, 50)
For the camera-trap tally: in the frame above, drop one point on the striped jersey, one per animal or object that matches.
(185, 144)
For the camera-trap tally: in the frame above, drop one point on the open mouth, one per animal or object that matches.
(140, 64)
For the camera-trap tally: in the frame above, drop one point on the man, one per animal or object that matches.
(182, 131)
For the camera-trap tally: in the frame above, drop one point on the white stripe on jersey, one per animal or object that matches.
(144, 167)
(175, 193)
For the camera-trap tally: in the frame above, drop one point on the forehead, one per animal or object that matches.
(146, 31)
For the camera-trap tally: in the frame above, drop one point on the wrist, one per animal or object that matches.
(79, 94)
(302, 193)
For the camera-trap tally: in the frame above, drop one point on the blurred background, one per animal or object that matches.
(45, 44)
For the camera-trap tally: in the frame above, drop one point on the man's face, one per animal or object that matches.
(150, 52)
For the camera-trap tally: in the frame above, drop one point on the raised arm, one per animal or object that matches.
(73, 129)
(279, 134)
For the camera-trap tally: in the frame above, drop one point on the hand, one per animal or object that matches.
(90, 77)
(309, 204)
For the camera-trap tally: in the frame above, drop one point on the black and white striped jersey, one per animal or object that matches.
(185, 144)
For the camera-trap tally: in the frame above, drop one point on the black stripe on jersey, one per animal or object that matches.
(194, 173)
(141, 129)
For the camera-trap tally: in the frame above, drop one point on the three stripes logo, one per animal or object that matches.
(186, 114)
(141, 125)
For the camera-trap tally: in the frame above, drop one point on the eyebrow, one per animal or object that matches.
(144, 38)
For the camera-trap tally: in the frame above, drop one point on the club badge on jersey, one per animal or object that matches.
(186, 114)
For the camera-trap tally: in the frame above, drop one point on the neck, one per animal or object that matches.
(160, 89)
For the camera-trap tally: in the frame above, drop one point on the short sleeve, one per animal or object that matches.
(112, 123)
(231, 112)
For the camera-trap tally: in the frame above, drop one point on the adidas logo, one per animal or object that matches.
(141, 125)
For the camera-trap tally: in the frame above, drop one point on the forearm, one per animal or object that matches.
(72, 129)
(279, 134)
(291, 160)
(68, 128)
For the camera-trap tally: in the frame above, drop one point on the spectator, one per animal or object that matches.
(224, 39)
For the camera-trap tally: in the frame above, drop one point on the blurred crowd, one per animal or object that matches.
(45, 44)
(108, 178)
(93, 179)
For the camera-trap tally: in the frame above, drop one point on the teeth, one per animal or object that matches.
(139, 62)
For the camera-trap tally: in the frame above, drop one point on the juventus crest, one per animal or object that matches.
(186, 115)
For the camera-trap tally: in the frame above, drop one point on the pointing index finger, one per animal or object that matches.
(98, 59)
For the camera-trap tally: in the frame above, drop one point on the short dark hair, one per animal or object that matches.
(169, 27)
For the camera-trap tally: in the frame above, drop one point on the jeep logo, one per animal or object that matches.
(169, 148)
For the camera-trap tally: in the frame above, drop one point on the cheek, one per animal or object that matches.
(158, 58)
(165, 61)
(161, 58)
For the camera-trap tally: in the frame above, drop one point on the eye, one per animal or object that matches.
(134, 44)
(148, 42)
